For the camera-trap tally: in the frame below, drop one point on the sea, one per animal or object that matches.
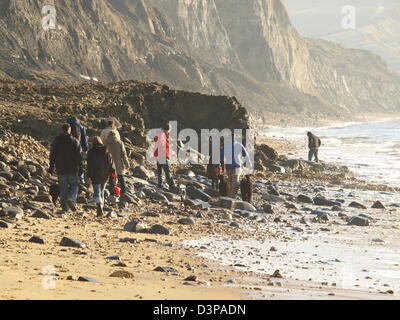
(370, 149)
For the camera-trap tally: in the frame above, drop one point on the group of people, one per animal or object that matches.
(107, 160)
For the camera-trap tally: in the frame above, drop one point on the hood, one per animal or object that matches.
(74, 122)
(99, 149)
(63, 137)
(112, 140)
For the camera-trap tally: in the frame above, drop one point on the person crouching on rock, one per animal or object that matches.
(66, 161)
(99, 167)
(313, 144)
(117, 149)
(162, 155)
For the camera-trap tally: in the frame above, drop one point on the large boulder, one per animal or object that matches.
(158, 229)
(142, 173)
(135, 226)
(269, 152)
(196, 193)
(378, 205)
(322, 201)
(359, 221)
(304, 199)
(12, 212)
(243, 205)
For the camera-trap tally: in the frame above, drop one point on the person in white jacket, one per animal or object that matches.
(110, 127)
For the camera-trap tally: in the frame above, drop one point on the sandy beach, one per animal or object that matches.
(230, 254)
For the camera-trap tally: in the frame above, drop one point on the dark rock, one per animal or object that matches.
(88, 279)
(158, 196)
(267, 208)
(357, 205)
(13, 213)
(365, 216)
(234, 224)
(378, 205)
(191, 278)
(239, 265)
(135, 226)
(68, 242)
(228, 203)
(36, 239)
(212, 193)
(321, 201)
(42, 198)
(195, 193)
(336, 208)
(150, 214)
(127, 198)
(276, 168)
(304, 199)
(121, 274)
(142, 173)
(166, 269)
(289, 205)
(273, 191)
(359, 221)
(113, 258)
(30, 206)
(272, 198)
(186, 221)
(277, 274)
(41, 215)
(5, 225)
(129, 240)
(19, 178)
(7, 175)
(158, 229)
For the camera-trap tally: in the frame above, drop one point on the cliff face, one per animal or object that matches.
(39, 110)
(246, 49)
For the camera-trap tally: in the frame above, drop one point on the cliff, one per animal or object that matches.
(247, 49)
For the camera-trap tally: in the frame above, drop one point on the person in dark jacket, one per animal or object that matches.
(313, 144)
(99, 167)
(66, 161)
(79, 132)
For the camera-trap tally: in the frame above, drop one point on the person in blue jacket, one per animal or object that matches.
(79, 132)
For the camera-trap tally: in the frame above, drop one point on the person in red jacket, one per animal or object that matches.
(162, 155)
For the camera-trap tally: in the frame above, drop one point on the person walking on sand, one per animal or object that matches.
(99, 167)
(105, 132)
(232, 159)
(313, 144)
(66, 162)
(162, 155)
(117, 149)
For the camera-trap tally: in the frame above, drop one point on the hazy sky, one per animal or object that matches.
(320, 17)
